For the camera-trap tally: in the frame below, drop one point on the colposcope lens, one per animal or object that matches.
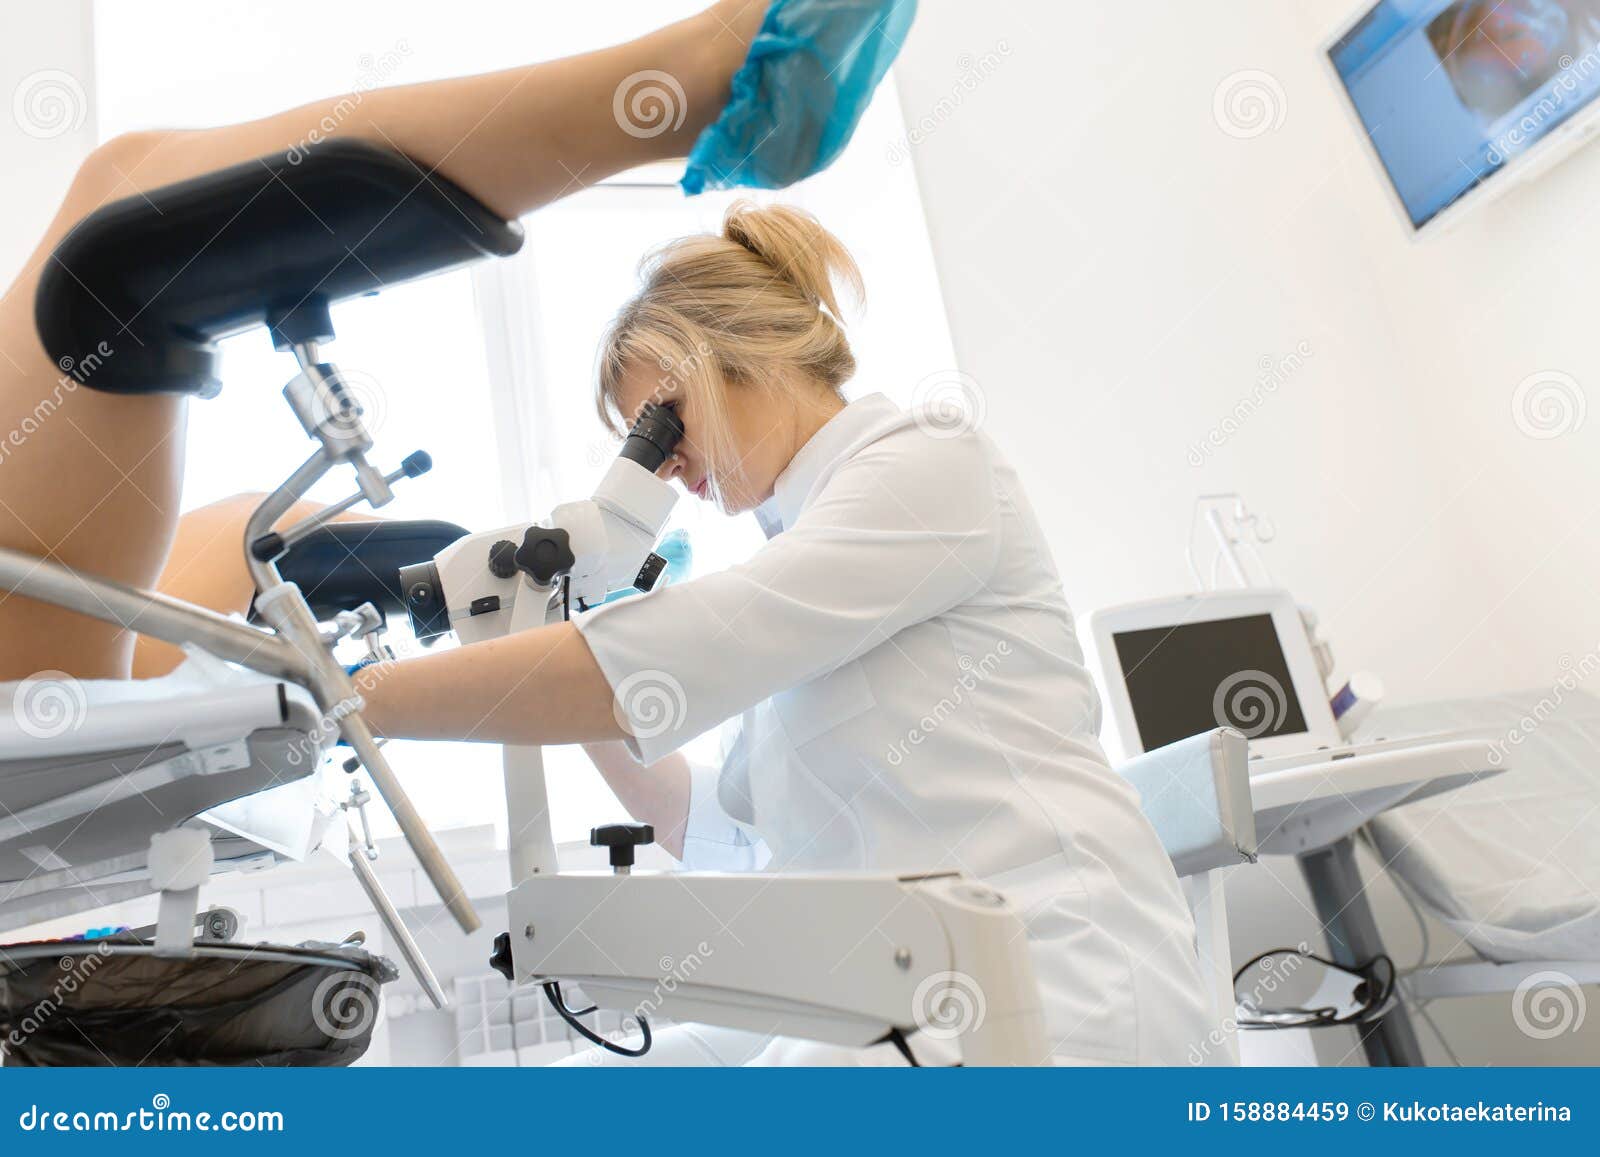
(654, 436)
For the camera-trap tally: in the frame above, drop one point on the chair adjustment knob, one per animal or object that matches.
(500, 958)
(620, 840)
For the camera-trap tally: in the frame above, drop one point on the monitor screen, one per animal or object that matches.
(1452, 91)
(1191, 677)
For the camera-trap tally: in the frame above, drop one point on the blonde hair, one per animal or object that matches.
(750, 308)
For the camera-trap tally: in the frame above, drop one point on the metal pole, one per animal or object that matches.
(282, 605)
(149, 613)
(1340, 897)
(390, 915)
(335, 693)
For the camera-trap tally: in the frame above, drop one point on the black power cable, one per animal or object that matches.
(1379, 977)
(552, 990)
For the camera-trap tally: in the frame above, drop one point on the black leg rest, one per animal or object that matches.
(134, 299)
(340, 566)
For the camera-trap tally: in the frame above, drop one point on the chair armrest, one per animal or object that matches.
(1197, 794)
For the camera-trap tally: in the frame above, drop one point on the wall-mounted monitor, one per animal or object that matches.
(1459, 99)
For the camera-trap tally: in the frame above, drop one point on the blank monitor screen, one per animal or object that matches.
(1191, 677)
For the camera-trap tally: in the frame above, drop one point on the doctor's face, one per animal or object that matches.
(761, 441)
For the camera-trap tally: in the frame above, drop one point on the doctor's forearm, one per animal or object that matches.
(657, 794)
(538, 686)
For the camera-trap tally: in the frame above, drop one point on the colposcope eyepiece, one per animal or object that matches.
(654, 436)
(425, 601)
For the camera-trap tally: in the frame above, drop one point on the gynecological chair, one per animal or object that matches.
(113, 789)
(117, 789)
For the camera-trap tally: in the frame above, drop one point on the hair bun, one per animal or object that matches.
(799, 250)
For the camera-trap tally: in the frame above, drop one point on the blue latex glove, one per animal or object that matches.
(679, 554)
(800, 93)
(352, 670)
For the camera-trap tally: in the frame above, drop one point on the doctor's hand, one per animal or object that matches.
(657, 794)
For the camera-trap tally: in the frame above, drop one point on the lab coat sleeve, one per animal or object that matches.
(902, 531)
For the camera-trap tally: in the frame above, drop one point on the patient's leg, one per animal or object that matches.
(206, 567)
(92, 479)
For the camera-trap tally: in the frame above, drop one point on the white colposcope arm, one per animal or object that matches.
(843, 958)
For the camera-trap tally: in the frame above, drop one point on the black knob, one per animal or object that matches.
(650, 572)
(545, 553)
(417, 463)
(621, 839)
(503, 559)
(500, 958)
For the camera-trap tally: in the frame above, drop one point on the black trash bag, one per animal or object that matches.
(113, 1002)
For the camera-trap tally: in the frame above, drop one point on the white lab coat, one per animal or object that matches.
(913, 698)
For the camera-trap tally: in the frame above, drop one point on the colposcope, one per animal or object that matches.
(503, 580)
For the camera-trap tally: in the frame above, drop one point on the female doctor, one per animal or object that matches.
(901, 657)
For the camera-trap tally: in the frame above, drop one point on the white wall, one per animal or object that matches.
(1507, 297)
(1118, 267)
(46, 118)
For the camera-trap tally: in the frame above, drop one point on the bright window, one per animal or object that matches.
(491, 369)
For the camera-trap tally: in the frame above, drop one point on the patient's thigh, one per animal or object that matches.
(89, 480)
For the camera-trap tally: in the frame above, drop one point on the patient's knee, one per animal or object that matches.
(108, 172)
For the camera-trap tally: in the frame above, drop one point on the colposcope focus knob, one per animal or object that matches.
(620, 840)
(503, 559)
(545, 553)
